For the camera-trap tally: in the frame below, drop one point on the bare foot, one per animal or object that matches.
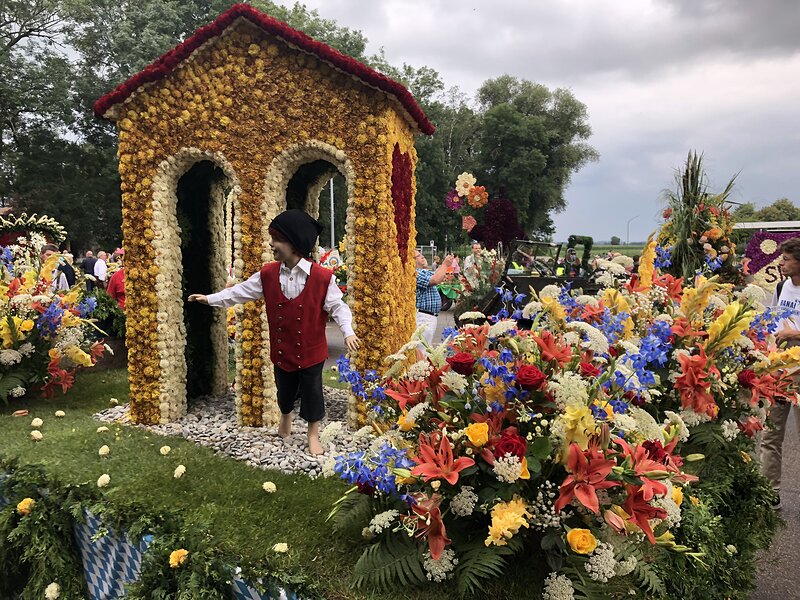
(285, 427)
(314, 447)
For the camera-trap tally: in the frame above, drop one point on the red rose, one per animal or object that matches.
(751, 426)
(529, 377)
(667, 213)
(746, 378)
(462, 363)
(510, 442)
(589, 370)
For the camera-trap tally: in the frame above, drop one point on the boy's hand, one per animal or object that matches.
(198, 298)
(352, 343)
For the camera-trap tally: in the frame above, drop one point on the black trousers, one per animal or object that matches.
(305, 384)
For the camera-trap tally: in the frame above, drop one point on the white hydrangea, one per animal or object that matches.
(463, 503)
(331, 431)
(416, 411)
(52, 591)
(569, 389)
(502, 327)
(531, 308)
(692, 418)
(420, 370)
(550, 291)
(730, 429)
(602, 565)
(17, 391)
(672, 509)
(471, 315)
(442, 569)
(666, 318)
(9, 357)
(674, 418)
(558, 587)
(753, 294)
(328, 467)
(455, 382)
(605, 280)
(744, 342)
(587, 300)
(26, 349)
(507, 468)
(383, 521)
(646, 425)
(624, 422)
(595, 340)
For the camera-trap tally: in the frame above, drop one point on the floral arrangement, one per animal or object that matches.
(581, 440)
(208, 99)
(46, 336)
(479, 282)
(467, 198)
(12, 227)
(335, 259)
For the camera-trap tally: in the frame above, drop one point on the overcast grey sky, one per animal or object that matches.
(659, 77)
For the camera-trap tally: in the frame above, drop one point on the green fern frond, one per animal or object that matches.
(349, 510)
(395, 560)
(649, 580)
(478, 564)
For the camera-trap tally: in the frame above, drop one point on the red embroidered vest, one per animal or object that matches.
(296, 327)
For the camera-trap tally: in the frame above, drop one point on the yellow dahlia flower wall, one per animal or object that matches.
(258, 108)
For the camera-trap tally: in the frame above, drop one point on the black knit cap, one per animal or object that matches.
(300, 228)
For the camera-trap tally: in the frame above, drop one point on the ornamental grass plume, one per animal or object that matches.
(178, 557)
(25, 506)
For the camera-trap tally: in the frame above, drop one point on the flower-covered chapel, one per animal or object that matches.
(211, 136)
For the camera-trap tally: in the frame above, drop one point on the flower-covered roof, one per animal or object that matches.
(162, 67)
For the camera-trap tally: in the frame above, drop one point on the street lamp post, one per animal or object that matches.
(628, 231)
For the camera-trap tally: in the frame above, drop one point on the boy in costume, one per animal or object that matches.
(298, 297)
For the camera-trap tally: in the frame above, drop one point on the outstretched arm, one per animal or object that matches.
(240, 293)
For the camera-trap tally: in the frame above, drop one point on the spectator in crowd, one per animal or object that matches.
(429, 302)
(116, 283)
(59, 279)
(101, 268)
(88, 269)
(472, 264)
(65, 266)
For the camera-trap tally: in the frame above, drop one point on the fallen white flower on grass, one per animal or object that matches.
(52, 591)
(104, 451)
(60, 414)
(165, 450)
(36, 435)
(102, 429)
(103, 480)
(269, 487)
(36, 423)
(113, 401)
(282, 547)
(179, 471)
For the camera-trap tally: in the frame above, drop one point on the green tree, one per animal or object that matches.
(615, 241)
(780, 210)
(531, 140)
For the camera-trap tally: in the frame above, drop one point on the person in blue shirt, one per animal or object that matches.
(429, 303)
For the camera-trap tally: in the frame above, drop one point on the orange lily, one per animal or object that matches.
(438, 464)
(588, 472)
(551, 349)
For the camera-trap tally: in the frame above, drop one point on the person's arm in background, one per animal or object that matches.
(440, 273)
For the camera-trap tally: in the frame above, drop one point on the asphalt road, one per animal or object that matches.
(779, 568)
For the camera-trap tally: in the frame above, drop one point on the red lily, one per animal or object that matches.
(641, 464)
(551, 349)
(750, 426)
(475, 340)
(428, 519)
(682, 328)
(588, 472)
(407, 392)
(673, 286)
(592, 314)
(438, 464)
(96, 350)
(693, 384)
(672, 462)
(641, 512)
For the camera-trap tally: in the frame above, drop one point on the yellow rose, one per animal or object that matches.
(178, 557)
(25, 506)
(582, 541)
(478, 434)
(677, 495)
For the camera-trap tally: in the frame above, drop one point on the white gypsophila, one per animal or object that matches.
(692, 419)
(382, 521)
(471, 315)
(502, 327)
(743, 342)
(587, 300)
(23, 300)
(595, 340)
(558, 587)
(626, 566)
(666, 318)
(9, 357)
(419, 371)
(730, 429)
(17, 391)
(550, 291)
(331, 431)
(569, 389)
(602, 565)
(463, 503)
(672, 509)
(646, 425)
(531, 308)
(442, 569)
(416, 411)
(542, 510)
(674, 418)
(455, 382)
(26, 349)
(329, 467)
(507, 468)
(753, 294)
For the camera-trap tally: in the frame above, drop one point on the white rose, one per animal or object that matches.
(36, 435)
(52, 591)
(179, 471)
(36, 423)
(104, 451)
(165, 450)
(269, 487)
(103, 480)
(60, 414)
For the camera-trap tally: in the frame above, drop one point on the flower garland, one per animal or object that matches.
(244, 85)
(401, 198)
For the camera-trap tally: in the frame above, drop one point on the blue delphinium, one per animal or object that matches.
(50, 320)
(87, 307)
(663, 257)
(373, 469)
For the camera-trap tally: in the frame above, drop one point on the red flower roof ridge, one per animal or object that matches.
(164, 65)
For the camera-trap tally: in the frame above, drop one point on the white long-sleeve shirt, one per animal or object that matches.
(293, 281)
(100, 269)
